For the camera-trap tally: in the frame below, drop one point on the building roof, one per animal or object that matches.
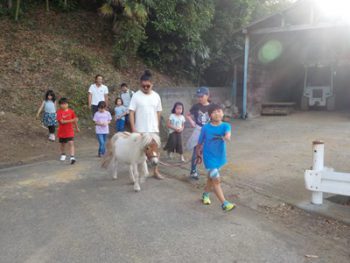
(300, 16)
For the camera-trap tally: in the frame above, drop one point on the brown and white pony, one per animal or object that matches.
(133, 149)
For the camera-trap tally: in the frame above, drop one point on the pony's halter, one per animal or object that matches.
(154, 154)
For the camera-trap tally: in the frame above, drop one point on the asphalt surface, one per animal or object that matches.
(54, 212)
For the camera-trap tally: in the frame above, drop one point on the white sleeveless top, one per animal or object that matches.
(50, 106)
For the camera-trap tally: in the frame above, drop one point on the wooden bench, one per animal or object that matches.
(277, 108)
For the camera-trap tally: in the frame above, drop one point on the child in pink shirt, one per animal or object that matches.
(102, 119)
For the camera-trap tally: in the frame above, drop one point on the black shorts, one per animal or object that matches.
(65, 140)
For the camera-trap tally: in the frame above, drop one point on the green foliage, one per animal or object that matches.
(66, 5)
(128, 42)
(195, 38)
(174, 35)
(78, 101)
(129, 20)
(225, 43)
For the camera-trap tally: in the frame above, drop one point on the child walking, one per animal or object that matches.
(102, 119)
(200, 115)
(49, 117)
(212, 146)
(66, 119)
(120, 112)
(176, 124)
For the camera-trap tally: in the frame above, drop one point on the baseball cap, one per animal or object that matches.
(202, 91)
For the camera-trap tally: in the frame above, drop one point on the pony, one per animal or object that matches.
(134, 149)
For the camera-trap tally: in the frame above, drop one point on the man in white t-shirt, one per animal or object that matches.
(145, 110)
(97, 92)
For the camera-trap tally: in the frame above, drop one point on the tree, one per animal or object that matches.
(224, 39)
(18, 5)
(47, 6)
(174, 35)
(129, 20)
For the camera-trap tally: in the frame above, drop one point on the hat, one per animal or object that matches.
(202, 91)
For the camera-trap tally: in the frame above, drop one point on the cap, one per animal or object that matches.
(202, 91)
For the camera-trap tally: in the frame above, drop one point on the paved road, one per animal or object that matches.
(52, 212)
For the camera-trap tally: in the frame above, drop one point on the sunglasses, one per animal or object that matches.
(146, 86)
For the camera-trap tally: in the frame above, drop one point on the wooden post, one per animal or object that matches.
(18, 5)
(234, 86)
(245, 77)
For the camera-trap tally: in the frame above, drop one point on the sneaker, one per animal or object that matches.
(205, 199)
(194, 175)
(227, 206)
(72, 160)
(51, 137)
(182, 159)
(63, 157)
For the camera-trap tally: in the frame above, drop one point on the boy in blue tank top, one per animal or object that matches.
(212, 145)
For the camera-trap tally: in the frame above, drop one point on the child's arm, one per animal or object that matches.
(183, 125)
(227, 137)
(199, 153)
(199, 147)
(189, 118)
(40, 109)
(168, 125)
(76, 125)
(69, 121)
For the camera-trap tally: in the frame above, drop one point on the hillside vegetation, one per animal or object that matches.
(63, 51)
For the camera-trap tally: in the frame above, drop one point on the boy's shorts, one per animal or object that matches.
(65, 140)
(213, 173)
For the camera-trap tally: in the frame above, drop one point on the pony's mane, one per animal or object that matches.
(147, 139)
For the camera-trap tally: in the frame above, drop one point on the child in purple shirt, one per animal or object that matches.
(102, 119)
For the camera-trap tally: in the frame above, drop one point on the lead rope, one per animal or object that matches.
(179, 164)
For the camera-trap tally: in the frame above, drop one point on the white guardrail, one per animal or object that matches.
(321, 179)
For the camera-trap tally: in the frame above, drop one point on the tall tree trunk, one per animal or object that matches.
(65, 4)
(18, 5)
(9, 4)
(47, 6)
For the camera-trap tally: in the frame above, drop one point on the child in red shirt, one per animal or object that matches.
(66, 119)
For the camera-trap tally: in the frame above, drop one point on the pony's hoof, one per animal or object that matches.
(137, 188)
(115, 177)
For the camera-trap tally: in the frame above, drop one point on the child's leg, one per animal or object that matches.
(62, 148)
(193, 161)
(100, 143)
(71, 148)
(209, 186)
(104, 140)
(218, 190)
(122, 125)
(51, 129)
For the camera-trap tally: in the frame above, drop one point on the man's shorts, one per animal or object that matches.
(213, 173)
(65, 140)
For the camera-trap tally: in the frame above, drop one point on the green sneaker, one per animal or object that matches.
(227, 206)
(205, 199)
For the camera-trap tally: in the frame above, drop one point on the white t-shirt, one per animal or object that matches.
(177, 121)
(98, 93)
(146, 107)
